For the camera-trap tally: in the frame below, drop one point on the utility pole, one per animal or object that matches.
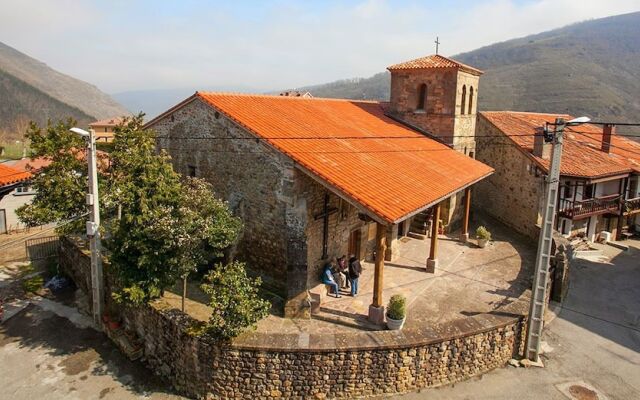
(543, 256)
(93, 225)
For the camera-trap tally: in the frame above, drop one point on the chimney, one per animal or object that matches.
(541, 148)
(607, 131)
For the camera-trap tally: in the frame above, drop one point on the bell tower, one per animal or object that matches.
(438, 95)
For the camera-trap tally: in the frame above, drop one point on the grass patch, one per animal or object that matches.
(12, 150)
(32, 285)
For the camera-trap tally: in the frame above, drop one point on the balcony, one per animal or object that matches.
(632, 206)
(585, 208)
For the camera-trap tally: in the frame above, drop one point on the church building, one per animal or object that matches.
(314, 178)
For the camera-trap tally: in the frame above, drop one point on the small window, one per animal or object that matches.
(472, 154)
(173, 118)
(464, 99)
(192, 170)
(587, 193)
(422, 97)
(567, 190)
(106, 129)
(24, 189)
(470, 99)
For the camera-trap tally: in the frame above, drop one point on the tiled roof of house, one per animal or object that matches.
(107, 122)
(29, 165)
(390, 169)
(434, 61)
(10, 175)
(582, 155)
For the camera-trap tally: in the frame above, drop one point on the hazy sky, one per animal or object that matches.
(124, 45)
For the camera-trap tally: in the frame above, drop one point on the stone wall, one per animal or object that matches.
(514, 192)
(256, 180)
(313, 365)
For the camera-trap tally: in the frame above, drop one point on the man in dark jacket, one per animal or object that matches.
(355, 269)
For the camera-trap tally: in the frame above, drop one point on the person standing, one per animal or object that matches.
(355, 269)
(344, 270)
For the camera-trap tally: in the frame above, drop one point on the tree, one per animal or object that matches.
(234, 299)
(204, 229)
(144, 244)
(61, 186)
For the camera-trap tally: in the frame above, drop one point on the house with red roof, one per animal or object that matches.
(315, 178)
(599, 184)
(14, 192)
(104, 128)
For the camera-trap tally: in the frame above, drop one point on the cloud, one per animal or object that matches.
(121, 45)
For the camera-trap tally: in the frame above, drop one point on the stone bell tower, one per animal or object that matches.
(438, 95)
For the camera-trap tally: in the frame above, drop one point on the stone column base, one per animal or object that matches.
(376, 314)
(432, 265)
(464, 237)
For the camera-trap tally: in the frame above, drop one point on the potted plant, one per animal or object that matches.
(396, 312)
(483, 236)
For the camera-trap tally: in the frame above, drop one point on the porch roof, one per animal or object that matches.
(388, 168)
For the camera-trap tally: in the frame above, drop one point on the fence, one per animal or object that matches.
(42, 247)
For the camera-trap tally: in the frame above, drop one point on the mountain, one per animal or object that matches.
(155, 101)
(29, 89)
(588, 68)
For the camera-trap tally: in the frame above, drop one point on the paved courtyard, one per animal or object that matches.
(468, 281)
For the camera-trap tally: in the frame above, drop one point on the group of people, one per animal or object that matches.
(342, 275)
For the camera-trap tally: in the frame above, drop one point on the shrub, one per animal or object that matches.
(397, 307)
(483, 233)
(234, 299)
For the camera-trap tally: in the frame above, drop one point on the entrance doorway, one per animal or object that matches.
(354, 242)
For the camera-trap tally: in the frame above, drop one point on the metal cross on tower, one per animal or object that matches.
(437, 42)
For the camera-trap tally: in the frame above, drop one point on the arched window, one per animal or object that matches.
(464, 99)
(470, 99)
(422, 97)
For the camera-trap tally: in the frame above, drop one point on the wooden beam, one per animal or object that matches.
(465, 220)
(378, 278)
(432, 262)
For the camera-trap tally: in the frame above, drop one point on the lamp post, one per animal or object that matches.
(543, 256)
(93, 225)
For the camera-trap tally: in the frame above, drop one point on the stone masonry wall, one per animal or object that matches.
(341, 224)
(256, 181)
(512, 194)
(269, 366)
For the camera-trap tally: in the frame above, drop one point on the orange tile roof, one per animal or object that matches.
(10, 175)
(434, 61)
(581, 155)
(390, 169)
(107, 122)
(31, 165)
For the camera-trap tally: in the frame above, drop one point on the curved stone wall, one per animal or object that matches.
(259, 365)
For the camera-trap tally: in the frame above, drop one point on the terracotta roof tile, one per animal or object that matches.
(10, 175)
(107, 122)
(581, 156)
(29, 165)
(388, 168)
(434, 61)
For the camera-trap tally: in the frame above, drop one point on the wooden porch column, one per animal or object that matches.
(464, 236)
(432, 261)
(376, 309)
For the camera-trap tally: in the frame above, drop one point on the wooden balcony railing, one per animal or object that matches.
(585, 208)
(632, 206)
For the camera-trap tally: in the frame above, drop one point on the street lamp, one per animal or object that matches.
(543, 256)
(93, 225)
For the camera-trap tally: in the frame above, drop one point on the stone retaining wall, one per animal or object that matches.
(265, 366)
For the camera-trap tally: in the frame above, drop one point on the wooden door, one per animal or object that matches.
(354, 243)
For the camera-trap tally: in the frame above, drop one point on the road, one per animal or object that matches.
(593, 347)
(594, 343)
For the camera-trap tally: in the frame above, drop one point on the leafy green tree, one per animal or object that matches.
(145, 247)
(234, 299)
(61, 186)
